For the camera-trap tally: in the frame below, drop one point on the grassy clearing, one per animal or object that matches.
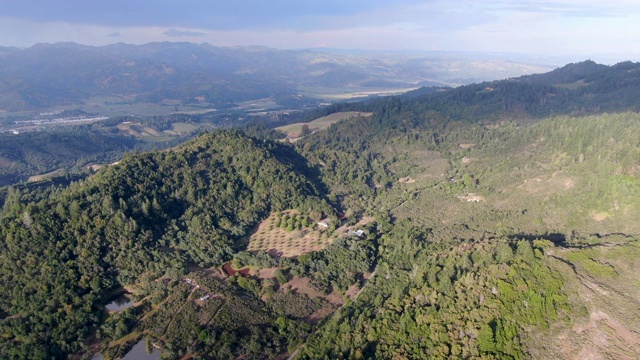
(585, 259)
(148, 133)
(36, 178)
(258, 104)
(267, 237)
(112, 106)
(122, 105)
(125, 339)
(293, 130)
(180, 127)
(344, 93)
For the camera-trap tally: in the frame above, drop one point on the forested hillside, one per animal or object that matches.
(151, 215)
(563, 191)
(494, 220)
(575, 89)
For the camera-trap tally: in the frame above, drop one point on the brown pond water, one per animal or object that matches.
(229, 270)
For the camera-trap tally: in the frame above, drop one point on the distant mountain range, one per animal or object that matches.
(46, 75)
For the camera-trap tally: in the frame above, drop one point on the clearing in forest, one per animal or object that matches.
(279, 241)
(137, 130)
(36, 178)
(294, 131)
(301, 286)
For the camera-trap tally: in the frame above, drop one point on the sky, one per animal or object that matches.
(594, 29)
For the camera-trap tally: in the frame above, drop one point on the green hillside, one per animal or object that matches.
(466, 203)
(152, 215)
(477, 222)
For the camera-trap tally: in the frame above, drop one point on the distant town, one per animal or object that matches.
(39, 123)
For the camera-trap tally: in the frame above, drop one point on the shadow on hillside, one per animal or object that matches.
(287, 155)
(560, 240)
(557, 239)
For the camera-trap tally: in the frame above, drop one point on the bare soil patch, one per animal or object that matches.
(603, 337)
(301, 286)
(215, 272)
(471, 197)
(365, 220)
(352, 291)
(609, 327)
(600, 216)
(548, 185)
(94, 167)
(319, 315)
(406, 180)
(268, 273)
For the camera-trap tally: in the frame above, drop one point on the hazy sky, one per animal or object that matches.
(596, 29)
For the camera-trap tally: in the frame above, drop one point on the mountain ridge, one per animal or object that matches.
(76, 72)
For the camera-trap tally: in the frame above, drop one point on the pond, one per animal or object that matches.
(137, 352)
(120, 303)
(229, 270)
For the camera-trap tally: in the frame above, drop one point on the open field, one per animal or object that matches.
(270, 238)
(111, 106)
(36, 178)
(344, 93)
(301, 286)
(258, 104)
(293, 130)
(136, 130)
(180, 127)
(142, 131)
(122, 105)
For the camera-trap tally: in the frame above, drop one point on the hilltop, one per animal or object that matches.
(576, 89)
(152, 215)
